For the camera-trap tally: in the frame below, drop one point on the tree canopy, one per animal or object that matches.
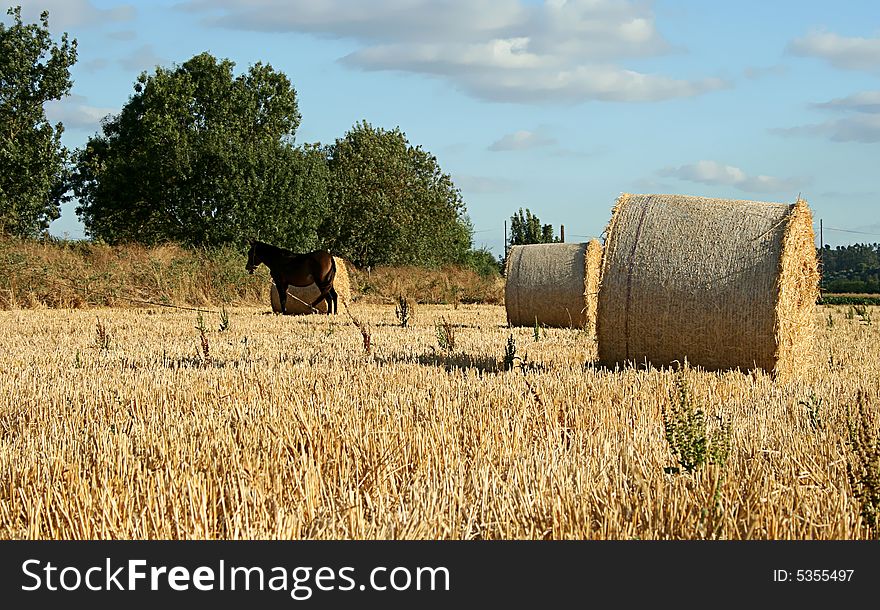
(852, 268)
(391, 202)
(526, 228)
(202, 157)
(33, 162)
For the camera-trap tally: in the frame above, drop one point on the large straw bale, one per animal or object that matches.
(299, 298)
(553, 284)
(721, 283)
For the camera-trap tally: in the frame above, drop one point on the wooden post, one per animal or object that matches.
(505, 240)
(562, 233)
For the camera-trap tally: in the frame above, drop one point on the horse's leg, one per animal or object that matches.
(282, 296)
(324, 296)
(335, 298)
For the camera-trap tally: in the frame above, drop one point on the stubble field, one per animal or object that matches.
(131, 423)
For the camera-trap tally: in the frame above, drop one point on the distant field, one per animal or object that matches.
(129, 423)
(849, 299)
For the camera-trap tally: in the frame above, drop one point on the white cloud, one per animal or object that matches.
(864, 101)
(565, 51)
(849, 195)
(75, 113)
(759, 72)
(379, 20)
(649, 185)
(522, 140)
(122, 35)
(861, 123)
(94, 65)
(142, 58)
(864, 128)
(489, 79)
(73, 13)
(483, 184)
(848, 53)
(717, 174)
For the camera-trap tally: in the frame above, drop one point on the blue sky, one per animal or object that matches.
(553, 106)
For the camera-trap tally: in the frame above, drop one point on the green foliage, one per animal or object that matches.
(863, 466)
(224, 319)
(392, 205)
(526, 228)
(203, 338)
(200, 157)
(102, 336)
(483, 262)
(851, 269)
(813, 408)
(832, 299)
(688, 436)
(510, 353)
(863, 312)
(445, 334)
(33, 162)
(403, 311)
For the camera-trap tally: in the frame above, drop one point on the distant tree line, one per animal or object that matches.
(526, 228)
(854, 268)
(205, 158)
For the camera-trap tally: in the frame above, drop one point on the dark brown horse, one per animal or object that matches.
(291, 269)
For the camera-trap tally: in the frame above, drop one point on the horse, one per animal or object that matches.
(289, 268)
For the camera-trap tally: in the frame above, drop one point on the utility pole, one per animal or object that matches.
(562, 233)
(505, 240)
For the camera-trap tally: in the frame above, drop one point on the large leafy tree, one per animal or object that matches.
(33, 162)
(201, 157)
(391, 203)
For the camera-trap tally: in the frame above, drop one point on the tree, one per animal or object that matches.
(484, 262)
(203, 158)
(33, 162)
(526, 228)
(391, 202)
(851, 268)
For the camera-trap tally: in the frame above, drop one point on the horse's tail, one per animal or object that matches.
(332, 269)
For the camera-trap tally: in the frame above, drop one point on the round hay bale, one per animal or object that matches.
(723, 284)
(591, 281)
(555, 284)
(299, 298)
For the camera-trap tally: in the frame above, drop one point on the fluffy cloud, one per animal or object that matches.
(848, 53)
(717, 174)
(75, 113)
(865, 101)
(483, 184)
(74, 13)
(499, 50)
(863, 128)
(757, 72)
(142, 58)
(522, 140)
(861, 123)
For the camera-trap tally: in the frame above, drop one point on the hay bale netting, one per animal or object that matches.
(298, 299)
(553, 283)
(721, 283)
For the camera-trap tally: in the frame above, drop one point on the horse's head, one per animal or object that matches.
(253, 260)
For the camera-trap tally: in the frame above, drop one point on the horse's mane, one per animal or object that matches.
(275, 249)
